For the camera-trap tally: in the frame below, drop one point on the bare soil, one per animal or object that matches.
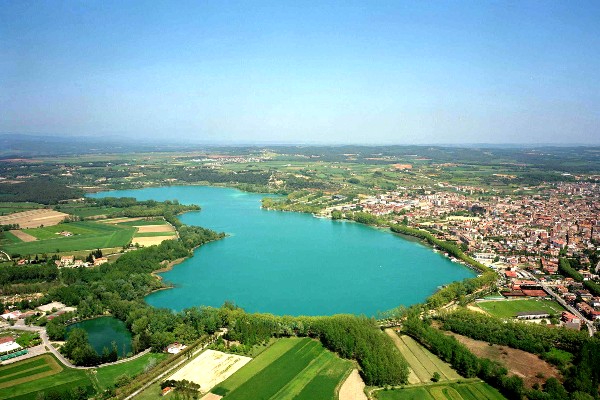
(353, 387)
(518, 362)
(26, 237)
(34, 218)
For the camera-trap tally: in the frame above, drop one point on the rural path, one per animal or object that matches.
(48, 344)
(176, 365)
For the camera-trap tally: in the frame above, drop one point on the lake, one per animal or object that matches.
(103, 331)
(293, 263)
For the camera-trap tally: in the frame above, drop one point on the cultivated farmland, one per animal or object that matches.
(153, 232)
(423, 364)
(210, 368)
(34, 218)
(447, 391)
(291, 368)
(83, 236)
(24, 379)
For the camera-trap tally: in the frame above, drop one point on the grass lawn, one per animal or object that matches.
(510, 308)
(448, 391)
(24, 379)
(291, 368)
(86, 236)
(106, 376)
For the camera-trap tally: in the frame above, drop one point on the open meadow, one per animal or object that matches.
(25, 379)
(510, 308)
(106, 376)
(423, 364)
(291, 368)
(443, 391)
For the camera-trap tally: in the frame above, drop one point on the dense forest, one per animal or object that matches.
(39, 190)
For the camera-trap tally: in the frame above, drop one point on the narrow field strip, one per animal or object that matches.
(22, 366)
(294, 387)
(422, 358)
(259, 363)
(30, 372)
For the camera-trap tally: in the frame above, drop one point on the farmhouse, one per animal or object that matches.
(8, 344)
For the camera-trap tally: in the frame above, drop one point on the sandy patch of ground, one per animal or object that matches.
(518, 362)
(151, 240)
(26, 237)
(353, 387)
(476, 309)
(154, 228)
(211, 396)
(34, 218)
(210, 368)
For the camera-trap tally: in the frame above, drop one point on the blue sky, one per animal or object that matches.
(303, 72)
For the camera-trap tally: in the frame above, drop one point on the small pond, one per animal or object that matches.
(103, 331)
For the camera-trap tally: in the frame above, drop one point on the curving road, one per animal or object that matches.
(66, 362)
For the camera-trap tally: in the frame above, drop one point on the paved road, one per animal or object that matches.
(573, 310)
(48, 344)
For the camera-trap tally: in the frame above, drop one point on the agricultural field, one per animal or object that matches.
(423, 364)
(25, 379)
(106, 376)
(210, 368)
(447, 391)
(510, 308)
(152, 232)
(34, 218)
(11, 207)
(84, 211)
(84, 236)
(291, 368)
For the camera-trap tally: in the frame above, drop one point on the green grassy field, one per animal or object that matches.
(152, 234)
(87, 211)
(448, 391)
(510, 308)
(8, 238)
(106, 376)
(291, 368)
(86, 236)
(25, 379)
(143, 222)
(7, 207)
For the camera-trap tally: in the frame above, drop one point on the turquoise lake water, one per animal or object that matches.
(103, 331)
(293, 263)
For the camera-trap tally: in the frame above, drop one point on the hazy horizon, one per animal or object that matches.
(367, 73)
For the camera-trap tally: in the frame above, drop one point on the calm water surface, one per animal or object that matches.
(292, 263)
(103, 331)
